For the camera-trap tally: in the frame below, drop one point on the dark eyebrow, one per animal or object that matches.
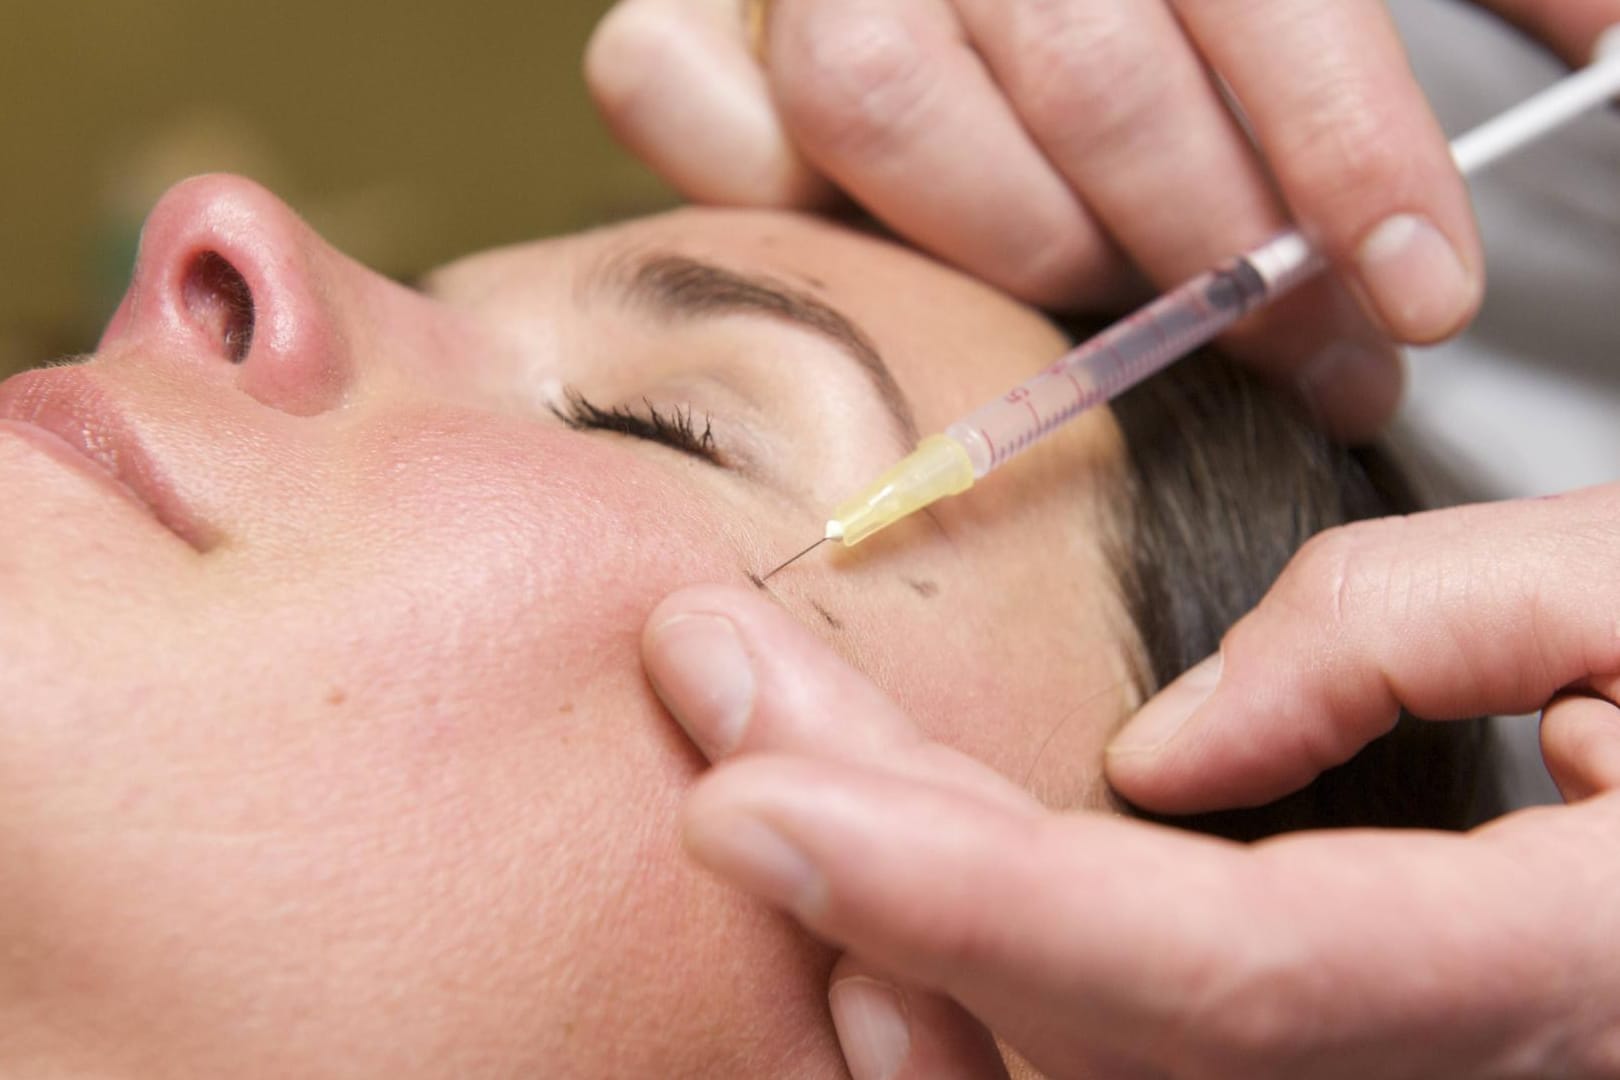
(679, 286)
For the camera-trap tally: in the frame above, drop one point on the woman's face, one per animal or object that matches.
(324, 745)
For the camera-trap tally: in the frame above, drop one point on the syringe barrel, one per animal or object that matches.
(1128, 352)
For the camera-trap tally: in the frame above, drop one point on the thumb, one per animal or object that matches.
(889, 1031)
(741, 676)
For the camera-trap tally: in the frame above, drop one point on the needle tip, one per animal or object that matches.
(795, 559)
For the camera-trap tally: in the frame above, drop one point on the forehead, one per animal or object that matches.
(950, 342)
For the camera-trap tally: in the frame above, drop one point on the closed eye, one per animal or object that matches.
(676, 426)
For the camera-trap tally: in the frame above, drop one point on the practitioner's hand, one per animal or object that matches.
(1047, 145)
(1102, 947)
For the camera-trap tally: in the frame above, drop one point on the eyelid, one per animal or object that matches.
(673, 426)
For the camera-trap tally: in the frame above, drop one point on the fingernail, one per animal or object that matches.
(872, 1028)
(1418, 285)
(756, 858)
(700, 670)
(1159, 721)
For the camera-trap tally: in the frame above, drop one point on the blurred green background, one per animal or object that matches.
(406, 133)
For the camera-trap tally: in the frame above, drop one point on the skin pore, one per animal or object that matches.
(324, 744)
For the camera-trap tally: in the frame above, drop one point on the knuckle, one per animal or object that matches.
(1082, 82)
(852, 81)
(1334, 575)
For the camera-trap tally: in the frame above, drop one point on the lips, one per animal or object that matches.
(80, 421)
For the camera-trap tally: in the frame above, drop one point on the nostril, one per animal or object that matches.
(221, 304)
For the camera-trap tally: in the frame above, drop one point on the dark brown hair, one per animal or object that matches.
(1225, 478)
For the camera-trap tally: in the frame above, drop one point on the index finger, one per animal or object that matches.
(1358, 154)
(1082, 939)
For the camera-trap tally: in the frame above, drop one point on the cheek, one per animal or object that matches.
(554, 537)
(414, 772)
(497, 598)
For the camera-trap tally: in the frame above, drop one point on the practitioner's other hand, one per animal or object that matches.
(1096, 946)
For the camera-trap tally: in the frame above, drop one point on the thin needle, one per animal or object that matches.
(795, 558)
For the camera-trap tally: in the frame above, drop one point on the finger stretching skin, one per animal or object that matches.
(1360, 158)
(677, 85)
(888, 99)
(801, 696)
(951, 894)
(1091, 943)
(1450, 614)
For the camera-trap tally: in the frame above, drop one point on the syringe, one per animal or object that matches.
(1166, 330)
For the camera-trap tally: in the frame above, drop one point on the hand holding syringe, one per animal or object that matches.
(1166, 330)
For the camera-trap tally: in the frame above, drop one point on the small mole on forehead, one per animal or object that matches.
(832, 620)
(925, 589)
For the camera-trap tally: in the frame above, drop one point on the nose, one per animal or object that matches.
(231, 281)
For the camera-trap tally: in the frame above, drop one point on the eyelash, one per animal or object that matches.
(676, 427)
